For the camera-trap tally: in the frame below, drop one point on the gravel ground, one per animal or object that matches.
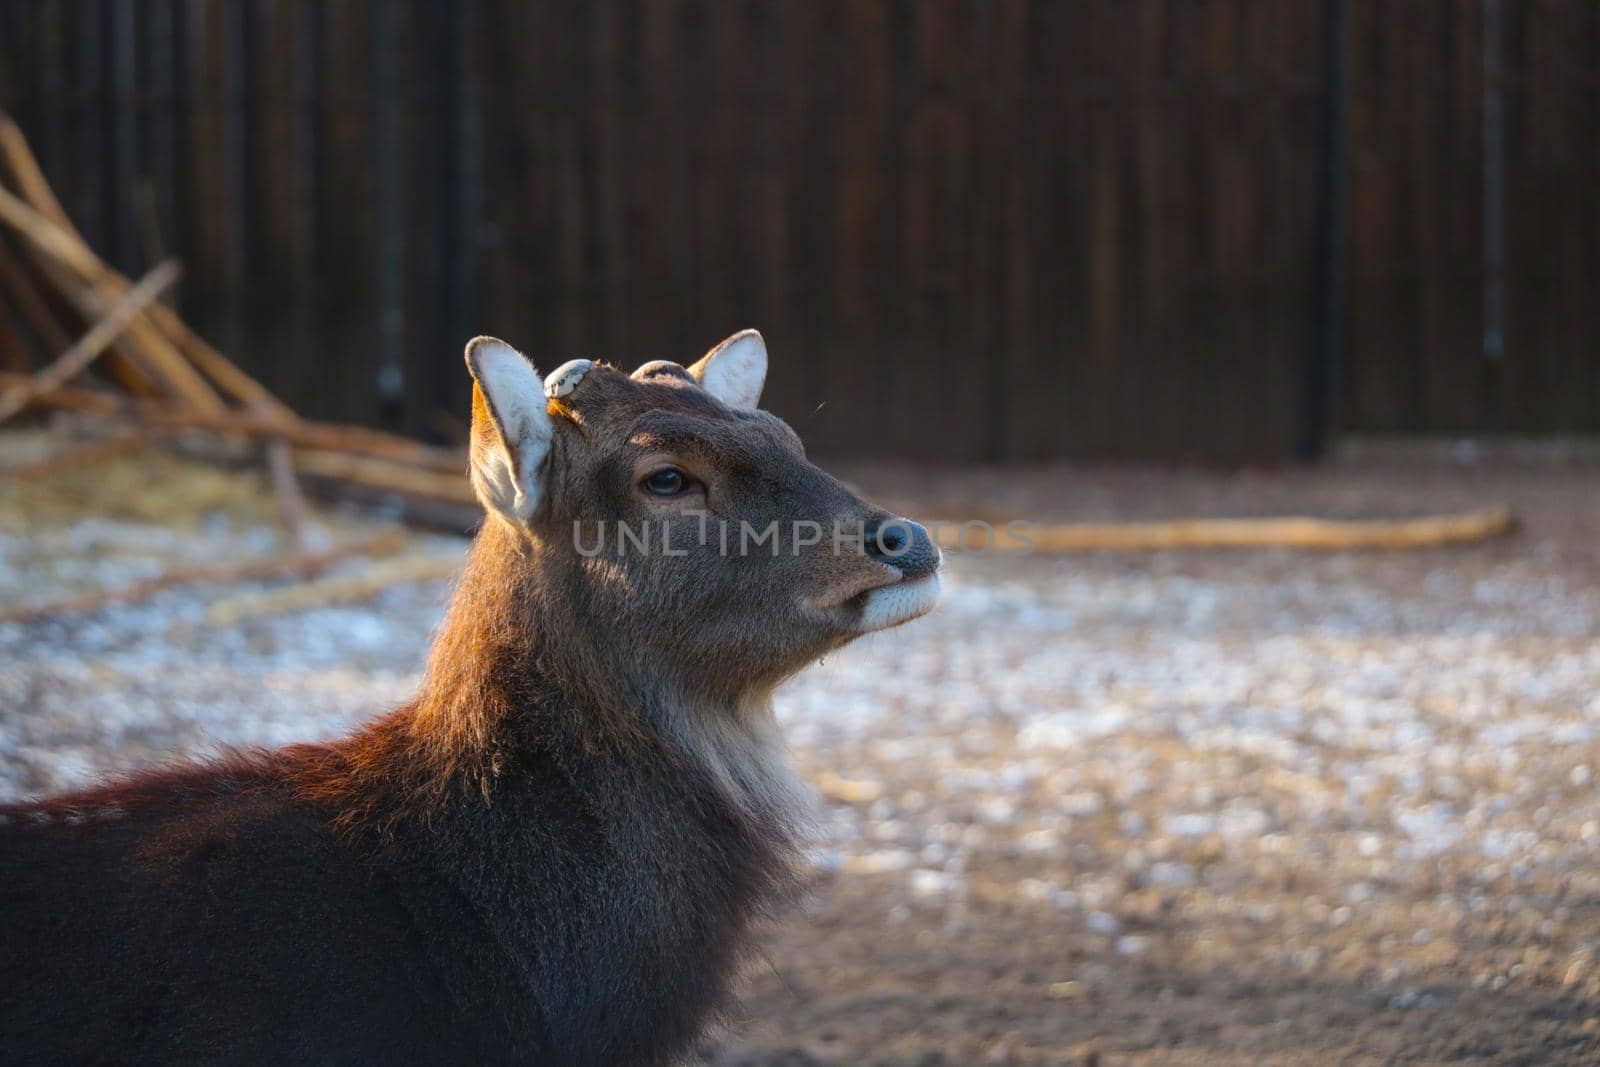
(1166, 808)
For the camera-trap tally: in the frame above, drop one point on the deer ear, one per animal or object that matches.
(735, 370)
(511, 429)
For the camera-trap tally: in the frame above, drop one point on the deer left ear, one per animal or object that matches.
(735, 370)
(511, 429)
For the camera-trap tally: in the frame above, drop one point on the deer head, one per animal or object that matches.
(680, 523)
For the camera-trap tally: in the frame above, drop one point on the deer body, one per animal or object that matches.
(556, 853)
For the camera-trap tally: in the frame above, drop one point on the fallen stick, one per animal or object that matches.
(30, 306)
(285, 487)
(297, 564)
(36, 191)
(330, 437)
(325, 591)
(31, 182)
(385, 474)
(1326, 535)
(47, 329)
(448, 516)
(77, 358)
(97, 293)
(13, 349)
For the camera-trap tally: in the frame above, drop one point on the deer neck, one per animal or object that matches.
(519, 664)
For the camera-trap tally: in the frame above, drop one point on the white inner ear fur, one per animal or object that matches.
(735, 370)
(507, 473)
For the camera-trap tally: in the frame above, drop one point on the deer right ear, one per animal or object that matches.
(735, 370)
(511, 429)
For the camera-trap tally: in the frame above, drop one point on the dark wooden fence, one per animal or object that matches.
(1423, 353)
(970, 229)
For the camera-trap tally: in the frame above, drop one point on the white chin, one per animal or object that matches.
(892, 605)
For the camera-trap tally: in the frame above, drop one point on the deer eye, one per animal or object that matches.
(668, 481)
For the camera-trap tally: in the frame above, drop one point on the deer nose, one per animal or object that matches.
(903, 545)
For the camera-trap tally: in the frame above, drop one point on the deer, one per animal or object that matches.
(564, 848)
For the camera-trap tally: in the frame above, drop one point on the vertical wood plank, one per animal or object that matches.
(121, 123)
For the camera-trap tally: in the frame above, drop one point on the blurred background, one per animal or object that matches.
(1214, 230)
(1134, 800)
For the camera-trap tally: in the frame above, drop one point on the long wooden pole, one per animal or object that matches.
(88, 347)
(1326, 535)
(36, 191)
(302, 433)
(48, 330)
(97, 294)
(30, 178)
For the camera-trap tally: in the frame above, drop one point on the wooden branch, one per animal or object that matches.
(297, 564)
(450, 516)
(98, 292)
(42, 321)
(324, 591)
(48, 236)
(355, 440)
(41, 314)
(1325, 535)
(291, 502)
(31, 182)
(13, 347)
(77, 358)
(30, 305)
(36, 190)
(386, 474)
